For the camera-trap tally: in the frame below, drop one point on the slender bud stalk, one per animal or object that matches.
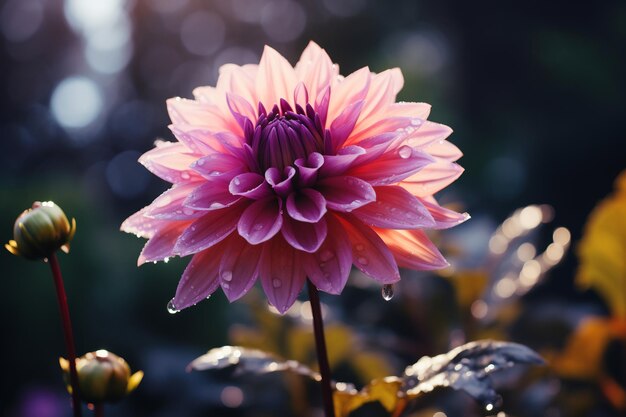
(67, 331)
(320, 347)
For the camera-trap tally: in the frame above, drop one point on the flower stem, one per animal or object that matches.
(67, 331)
(320, 347)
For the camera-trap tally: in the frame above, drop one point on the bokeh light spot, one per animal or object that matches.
(232, 397)
(202, 33)
(76, 102)
(283, 20)
(20, 19)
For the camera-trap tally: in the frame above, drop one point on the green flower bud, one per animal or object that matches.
(102, 376)
(40, 231)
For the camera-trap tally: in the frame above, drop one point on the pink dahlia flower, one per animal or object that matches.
(285, 173)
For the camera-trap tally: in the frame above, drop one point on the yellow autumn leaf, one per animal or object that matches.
(582, 357)
(384, 390)
(602, 251)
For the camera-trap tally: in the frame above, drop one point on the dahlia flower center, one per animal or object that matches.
(283, 135)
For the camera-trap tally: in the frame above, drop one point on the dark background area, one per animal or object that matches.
(535, 92)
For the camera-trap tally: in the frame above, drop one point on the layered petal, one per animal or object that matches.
(303, 236)
(161, 245)
(282, 273)
(395, 208)
(239, 267)
(413, 249)
(346, 193)
(369, 252)
(261, 220)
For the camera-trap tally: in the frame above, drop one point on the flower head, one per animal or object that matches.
(102, 376)
(40, 231)
(284, 173)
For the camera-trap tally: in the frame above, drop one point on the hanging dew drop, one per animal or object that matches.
(387, 292)
(171, 308)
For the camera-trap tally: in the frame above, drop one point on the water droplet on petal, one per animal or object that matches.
(237, 181)
(405, 152)
(416, 122)
(171, 308)
(387, 292)
(362, 260)
(326, 255)
(258, 227)
(200, 162)
(188, 212)
(185, 176)
(227, 275)
(359, 247)
(276, 283)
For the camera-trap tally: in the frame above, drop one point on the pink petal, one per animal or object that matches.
(275, 79)
(140, 225)
(346, 193)
(199, 141)
(239, 80)
(170, 161)
(200, 279)
(240, 108)
(395, 208)
(351, 89)
(432, 178)
(444, 150)
(382, 92)
(335, 165)
(306, 205)
(250, 185)
(393, 166)
(209, 229)
(398, 125)
(369, 252)
(428, 133)
(261, 220)
(412, 249)
(342, 126)
(315, 69)
(444, 218)
(329, 267)
(161, 244)
(282, 274)
(403, 109)
(211, 195)
(169, 205)
(198, 114)
(218, 165)
(239, 267)
(306, 237)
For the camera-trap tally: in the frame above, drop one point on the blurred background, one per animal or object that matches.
(533, 90)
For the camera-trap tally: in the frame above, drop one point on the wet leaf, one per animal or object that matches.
(248, 360)
(467, 368)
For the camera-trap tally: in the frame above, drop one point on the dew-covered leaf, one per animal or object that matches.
(467, 368)
(248, 360)
(385, 390)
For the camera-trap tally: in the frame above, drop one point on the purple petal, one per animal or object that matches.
(250, 185)
(212, 195)
(335, 165)
(282, 274)
(342, 126)
(161, 244)
(395, 208)
(261, 220)
(140, 225)
(218, 165)
(369, 252)
(280, 182)
(307, 205)
(239, 267)
(240, 108)
(346, 193)
(209, 229)
(169, 205)
(393, 166)
(329, 267)
(200, 279)
(304, 236)
(308, 168)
